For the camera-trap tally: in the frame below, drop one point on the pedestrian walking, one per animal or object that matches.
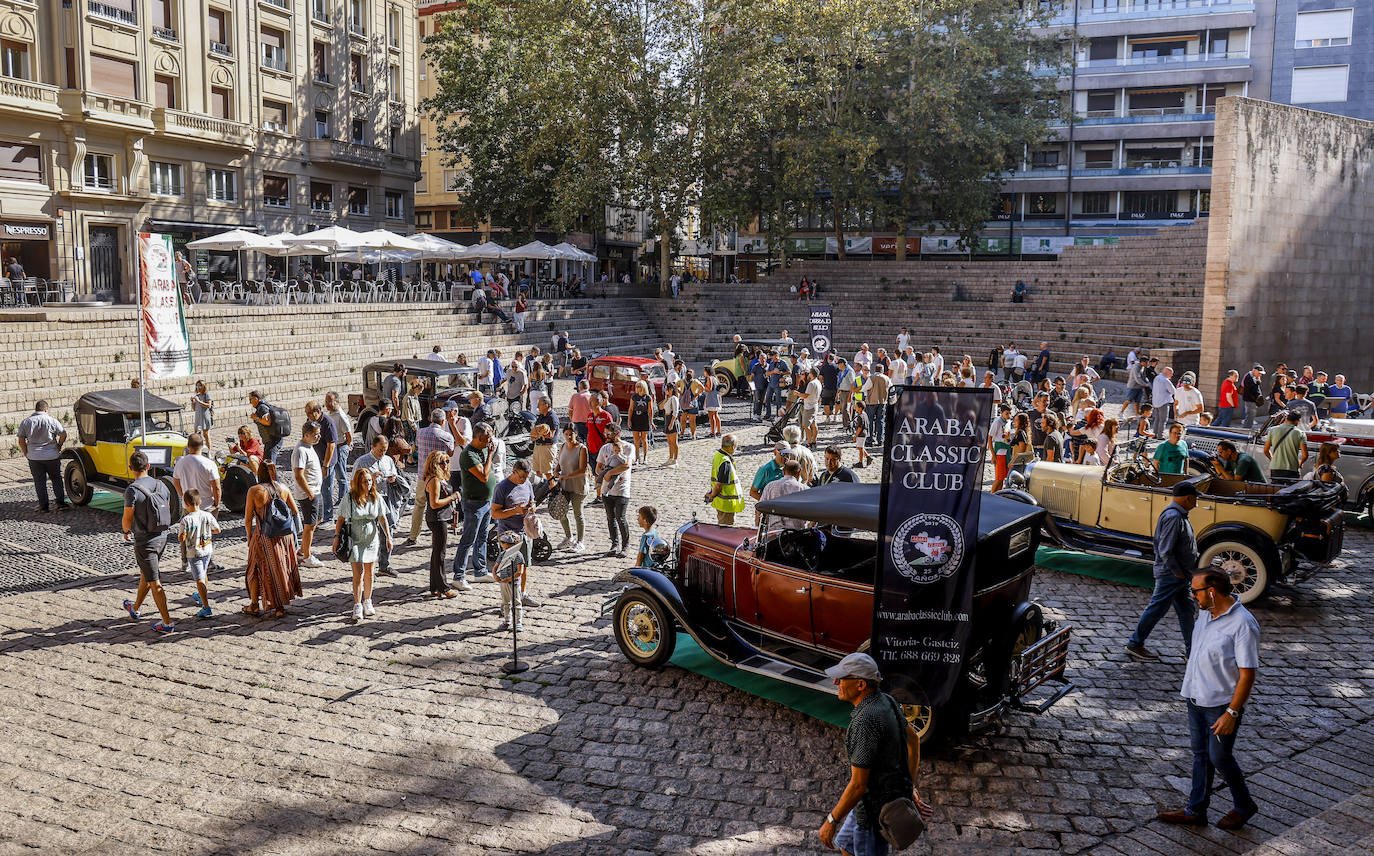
(522, 307)
(272, 576)
(1162, 398)
(364, 511)
(385, 480)
(710, 399)
(884, 753)
(1175, 549)
(196, 471)
(40, 439)
(476, 464)
(337, 485)
(1228, 399)
(439, 497)
(570, 476)
(271, 429)
(202, 410)
(641, 420)
(672, 420)
(147, 517)
(614, 464)
(1216, 684)
(724, 495)
(307, 482)
(196, 531)
(1286, 448)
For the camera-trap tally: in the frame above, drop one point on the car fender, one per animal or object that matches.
(1017, 494)
(660, 585)
(81, 456)
(1241, 532)
(716, 639)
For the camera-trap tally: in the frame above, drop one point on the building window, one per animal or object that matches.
(1042, 203)
(393, 28)
(452, 179)
(276, 191)
(319, 61)
(162, 15)
(455, 220)
(319, 10)
(394, 139)
(21, 162)
(421, 184)
(357, 17)
(1096, 203)
(1098, 159)
(321, 124)
(217, 29)
(393, 83)
(275, 116)
(1324, 29)
(357, 200)
(221, 185)
(165, 91)
(357, 72)
(1101, 103)
(395, 206)
(1321, 83)
(273, 43)
(1148, 201)
(115, 77)
(1204, 201)
(423, 220)
(221, 103)
(1045, 159)
(99, 172)
(424, 146)
(15, 56)
(321, 196)
(359, 132)
(165, 178)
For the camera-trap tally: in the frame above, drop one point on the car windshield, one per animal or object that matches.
(461, 381)
(154, 421)
(654, 371)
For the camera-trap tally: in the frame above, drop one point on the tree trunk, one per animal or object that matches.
(839, 227)
(663, 263)
(901, 243)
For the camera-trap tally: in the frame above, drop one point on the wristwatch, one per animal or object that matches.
(830, 818)
(1235, 714)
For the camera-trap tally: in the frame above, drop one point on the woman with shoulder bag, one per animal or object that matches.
(272, 575)
(364, 511)
(439, 498)
(672, 411)
(570, 472)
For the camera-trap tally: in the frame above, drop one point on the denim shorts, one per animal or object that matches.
(857, 841)
(198, 566)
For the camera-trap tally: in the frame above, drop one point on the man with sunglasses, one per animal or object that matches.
(1217, 682)
(879, 770)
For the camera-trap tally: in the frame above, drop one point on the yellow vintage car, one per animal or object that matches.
(732, 372)
(109, 431)
(1260, 533)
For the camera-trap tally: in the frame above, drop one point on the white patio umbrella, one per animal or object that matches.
(535, 251)
(381, 239)
(489, 250)
(434, 248)
(333, 237)
(236, 240)
(573, 253)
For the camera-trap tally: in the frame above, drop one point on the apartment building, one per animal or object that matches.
(190, 117)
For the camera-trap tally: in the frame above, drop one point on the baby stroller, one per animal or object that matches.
(542, 548)
(786, 416)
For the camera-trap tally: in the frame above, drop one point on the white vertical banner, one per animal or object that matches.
(166, 345)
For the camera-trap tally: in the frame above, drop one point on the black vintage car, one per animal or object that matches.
(787, 604)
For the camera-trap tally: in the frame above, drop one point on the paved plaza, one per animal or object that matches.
(309, 734)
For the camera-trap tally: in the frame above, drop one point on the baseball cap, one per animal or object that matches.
(1258, 366)
(1184, 488)
(1190, 377)
(856, 665)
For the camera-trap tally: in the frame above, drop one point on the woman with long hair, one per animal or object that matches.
(1325, 468)
(272, 576)
(711, 401)
(1022, 452)
(539, 385)
(439, 499)
(691, 388)
(365, 511)
(570, 473)
(203, 410)
(1106, 440)
(672, 412)
(641, 419)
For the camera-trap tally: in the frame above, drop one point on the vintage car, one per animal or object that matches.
(1261, 533)
(615, 377)
(109, 430)
(735, 376)
(443, 381)
(789, 603)
(1356, 463)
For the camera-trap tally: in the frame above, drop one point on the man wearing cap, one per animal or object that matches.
(1175, 549)
(879, 771)
(1188, 401)
(1251, 395)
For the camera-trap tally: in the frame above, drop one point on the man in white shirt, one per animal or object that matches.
(194, 471)
(897, 369)
(1188, 401)
(675, 282)
(903, 341)
(305, 487)
(811, 397)
(863, 359)
(437, 355)
(1009, 363)
(939, 361)
(484, 372)
(788, 484)
(785, 339)
(1132, 359)
(668, 353)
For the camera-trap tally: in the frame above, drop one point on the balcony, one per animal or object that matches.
(98, 109)
(322, 78)
(203, 129)
(357, 29)
(279, 4)
(221, 49)
(1147, 116)
(1150, 63)
(28, 97)
(166, 34)
(339, 151)
(1091, 13)
(111, 13)
(274, 58)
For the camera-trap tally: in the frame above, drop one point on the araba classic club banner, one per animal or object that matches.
(931, 494)
(166, 346)
(821, 322)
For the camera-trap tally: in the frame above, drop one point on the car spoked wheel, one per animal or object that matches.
(644, 630)
(1243, 564)
(74, 483)
(922, 719)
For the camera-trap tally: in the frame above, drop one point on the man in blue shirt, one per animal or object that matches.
(758, 372)
(1175, 549)
(773, 396)
(1217, 682)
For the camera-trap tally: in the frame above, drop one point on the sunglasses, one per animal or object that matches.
(1197, 590)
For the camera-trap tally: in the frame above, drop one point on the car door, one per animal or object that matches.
(1127, 508)
(600, 378)
(782, 597)
(623, 379)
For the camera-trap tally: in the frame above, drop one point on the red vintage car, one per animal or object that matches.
(789, 603)
(616, 378)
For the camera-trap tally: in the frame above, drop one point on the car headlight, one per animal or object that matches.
(1016, 479)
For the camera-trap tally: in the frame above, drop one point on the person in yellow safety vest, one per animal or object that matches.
(725, 497)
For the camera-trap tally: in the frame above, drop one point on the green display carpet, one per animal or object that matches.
(1098, 567)
(813, 703)
(106, 501)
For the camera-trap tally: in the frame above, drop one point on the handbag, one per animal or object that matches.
(559, 505)
(899, 820)
(343, 547)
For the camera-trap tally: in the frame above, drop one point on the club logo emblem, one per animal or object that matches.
(820, 344)
(928, 548)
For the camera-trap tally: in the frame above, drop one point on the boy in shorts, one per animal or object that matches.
(510, 573)
(861, 430)
(197, 530)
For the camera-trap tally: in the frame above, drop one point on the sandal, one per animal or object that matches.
(251, 610)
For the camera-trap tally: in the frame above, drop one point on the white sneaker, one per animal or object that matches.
(579, 547)
(368, 609)
(357, 612)
(313, 562)
(565, 544)
(463, 585)
(526, 600)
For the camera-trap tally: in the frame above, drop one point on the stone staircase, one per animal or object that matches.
(289, 353)
(1144, 292)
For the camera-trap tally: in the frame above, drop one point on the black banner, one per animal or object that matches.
(821, 341)
(931, 492)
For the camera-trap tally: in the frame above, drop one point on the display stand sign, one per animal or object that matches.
(931, 493)
(821, 324)
(165, 344)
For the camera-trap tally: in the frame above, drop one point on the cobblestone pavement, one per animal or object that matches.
(312, 735)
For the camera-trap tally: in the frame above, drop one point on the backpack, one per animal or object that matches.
(277, 520)
(281, 420)
(154, 513)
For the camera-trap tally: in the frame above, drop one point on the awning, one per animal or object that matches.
(181, 226)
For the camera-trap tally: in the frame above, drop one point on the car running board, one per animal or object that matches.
(770, 667)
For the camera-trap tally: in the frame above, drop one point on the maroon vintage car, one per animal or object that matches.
(616, 378)
(793, 597)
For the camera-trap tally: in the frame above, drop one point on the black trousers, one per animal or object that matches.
(438, 543)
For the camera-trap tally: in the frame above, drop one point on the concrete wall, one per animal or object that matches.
(1288, 253)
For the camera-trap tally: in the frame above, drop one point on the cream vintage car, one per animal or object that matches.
(1261, 533)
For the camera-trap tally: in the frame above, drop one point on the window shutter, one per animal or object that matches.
(1320, 83)
(114, 76)
(1324, 26)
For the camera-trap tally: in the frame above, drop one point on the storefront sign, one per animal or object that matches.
(821, 324)
(941, 244)
(931, 494)
(29, 231)
(166, 345)
(888, 246)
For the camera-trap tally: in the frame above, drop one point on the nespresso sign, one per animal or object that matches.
(26, 230)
